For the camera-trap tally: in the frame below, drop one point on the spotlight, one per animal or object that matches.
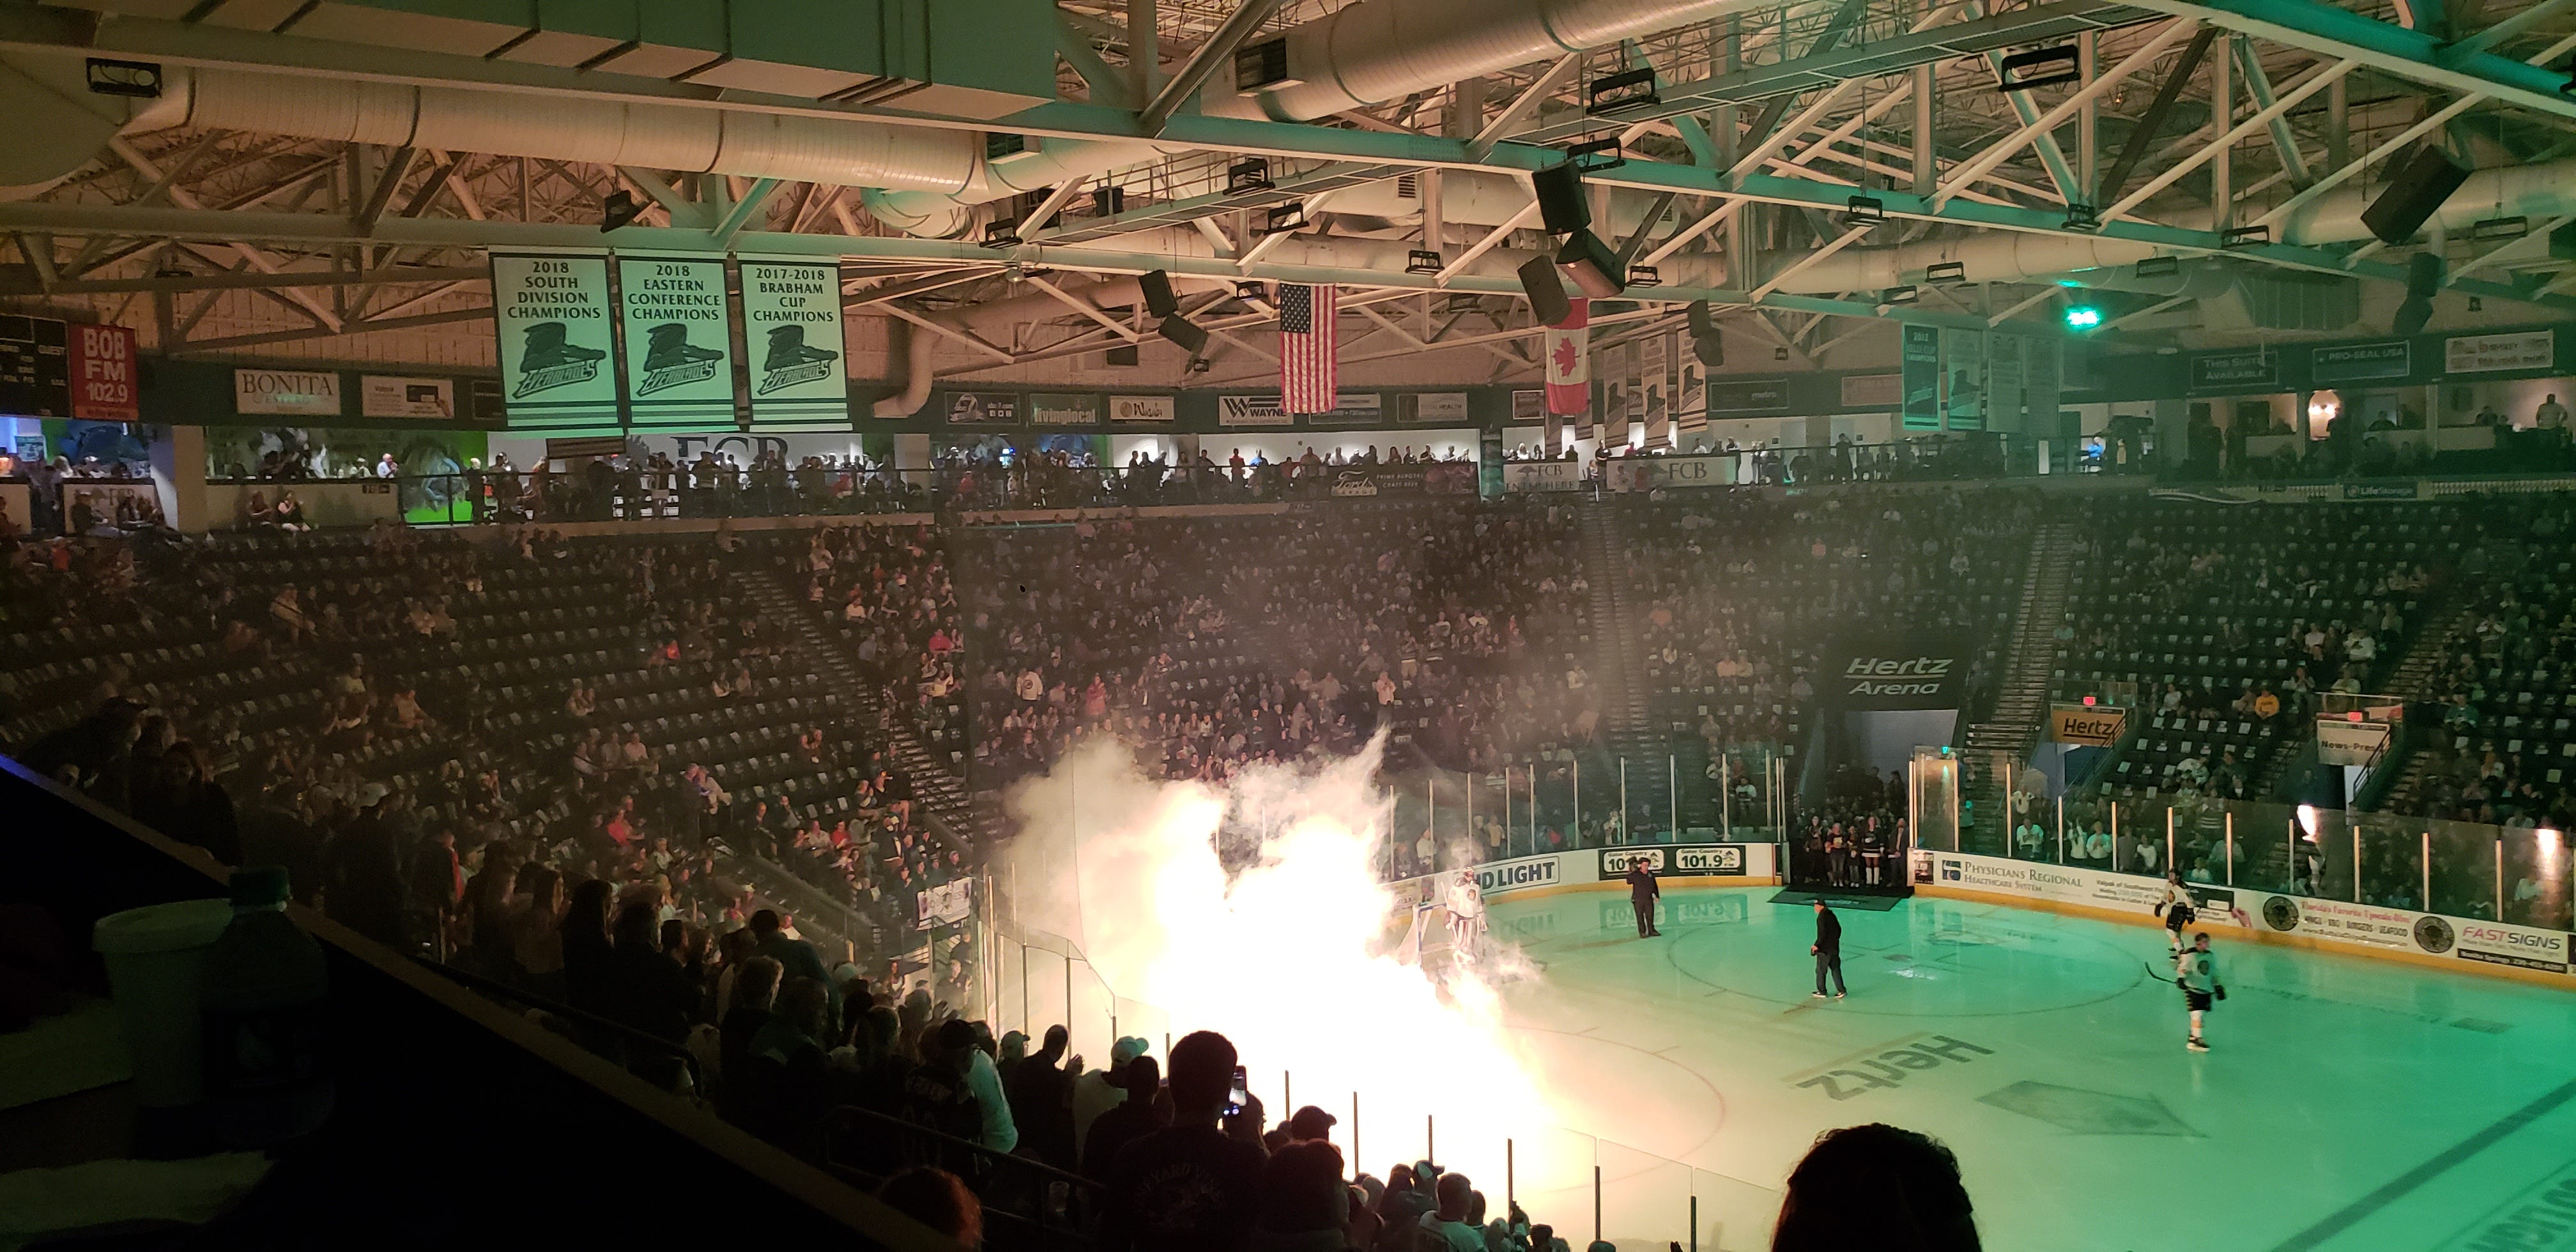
(2010, 73)
(2160, 267)
(1645, 276)
(1628, 89)
(1248, 175)
(1863, 211)
(1900, 295)
(617, 209)
(1779, 354)
(2499, 229)
(2082, 217)
(1282, 219)
(1002, 234)
(140, 80)
(1422, 261)
(2083, 317)
(1598, 155)
(1946, 272)
(2245, 237)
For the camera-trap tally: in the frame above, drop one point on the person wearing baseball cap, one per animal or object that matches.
(1311, 1125)
(1097, 1091)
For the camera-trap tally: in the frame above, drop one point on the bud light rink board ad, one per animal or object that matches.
(1720, 864)
(2359, 928)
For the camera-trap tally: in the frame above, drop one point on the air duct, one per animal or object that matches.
(918, 373)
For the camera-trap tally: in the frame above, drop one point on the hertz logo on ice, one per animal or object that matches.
(1880, 676)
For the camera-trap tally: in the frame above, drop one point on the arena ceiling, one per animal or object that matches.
(320, 180)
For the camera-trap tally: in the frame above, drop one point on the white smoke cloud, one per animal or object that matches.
(1289, 958)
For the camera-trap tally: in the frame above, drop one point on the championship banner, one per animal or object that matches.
(1614, 397)
(1569, 361)
(1921, 371)
(1963, 392)
(1690, 402)
(791, 317)
(2004, 382)
(1930, 673)
(2096, 726)
(1659, 399)
(1636, 376)
(679, 341)
(1551, 437)
(552, 314)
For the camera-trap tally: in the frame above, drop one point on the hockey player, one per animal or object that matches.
(2196, 972)
(2178, 910)
(1466, 915)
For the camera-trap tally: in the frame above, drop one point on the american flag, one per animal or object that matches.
(1308, 380)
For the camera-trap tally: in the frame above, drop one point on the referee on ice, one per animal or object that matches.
(1642, 890)
(1828, 949)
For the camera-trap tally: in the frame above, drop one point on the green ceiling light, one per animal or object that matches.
(2083, 316)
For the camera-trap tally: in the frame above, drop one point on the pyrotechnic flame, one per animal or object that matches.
(1287, 957)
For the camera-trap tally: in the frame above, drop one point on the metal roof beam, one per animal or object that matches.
(2415, 55)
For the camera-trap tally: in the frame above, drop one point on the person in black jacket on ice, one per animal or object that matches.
(1642, 890)
(1828, 949)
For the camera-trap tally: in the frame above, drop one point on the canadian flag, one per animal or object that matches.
(1569, 360)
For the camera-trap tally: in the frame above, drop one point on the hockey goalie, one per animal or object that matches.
(1448, 928)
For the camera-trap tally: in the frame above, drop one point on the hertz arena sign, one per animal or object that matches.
(1898, 674)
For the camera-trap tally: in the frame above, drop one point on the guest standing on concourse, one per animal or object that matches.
(1642, 890)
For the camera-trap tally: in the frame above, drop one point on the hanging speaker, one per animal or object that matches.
(1706, 343)
(1182, 331)
(2423, 278)
(2421, 185)
(1159, 300)
(1548, 303)
(1592, 266)
(1560, 199)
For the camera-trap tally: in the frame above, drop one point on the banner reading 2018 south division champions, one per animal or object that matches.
(791, 311)
(557, 340)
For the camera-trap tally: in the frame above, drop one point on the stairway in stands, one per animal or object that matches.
(937, 791)
(2413, 680)
(2008, 730)
(1629, 730)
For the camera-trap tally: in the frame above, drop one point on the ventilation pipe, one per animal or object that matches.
(917, 374)
(56, 123)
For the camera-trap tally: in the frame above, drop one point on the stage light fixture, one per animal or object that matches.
(618, 208)
(1282, 219)
(1628, 89)
(1002, 234)
(1422, 261)
(1864, 211)
(140, 80)
(1946, 272)
(1645, 276)
(2245, 237)
(2082, 217)
(1595, 156)
(1249, 175)
(1900, 295)
(2499, 229)
(2011, 74)
(2160, 267)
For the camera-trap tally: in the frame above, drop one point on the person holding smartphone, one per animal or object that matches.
(1195, 1185)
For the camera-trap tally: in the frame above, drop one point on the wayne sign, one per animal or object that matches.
(102, 370)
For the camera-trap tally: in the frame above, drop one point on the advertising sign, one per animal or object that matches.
(2360, 362)
(1542, 475)
(2097, 726)
(2342, 742)
(679, 340)
(1921, 376)
(1675, 860)
(297, 393)
(1064, 409)
(382, 396)
(1264, 409)
(1432, 407)
(983, 408)
(947, 904)
(1897, 674)
(2523, 947)
(556, 332)
(2256, 369)
(1646, 473)
(2523, 350)
(1142, 408)
(1749, 397)
(791, 319)
(103, 370)
(1518, 874)
(1873, 391)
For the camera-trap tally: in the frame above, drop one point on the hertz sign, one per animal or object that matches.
(2098, 726)
(1912, 674)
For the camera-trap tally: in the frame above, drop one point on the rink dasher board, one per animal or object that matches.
(2461, 944)
(1708, 864)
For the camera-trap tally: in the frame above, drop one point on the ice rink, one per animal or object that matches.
(2347, 1104)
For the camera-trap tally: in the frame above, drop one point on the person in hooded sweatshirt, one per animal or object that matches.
(1301, 1203)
